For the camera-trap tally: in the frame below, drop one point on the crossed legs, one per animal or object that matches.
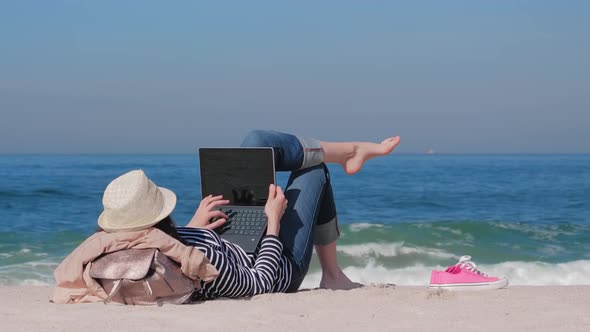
(351, 156)
(311, 203)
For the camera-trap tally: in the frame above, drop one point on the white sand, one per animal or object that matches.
(559, 308)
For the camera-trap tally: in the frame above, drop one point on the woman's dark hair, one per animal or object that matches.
(168, 226)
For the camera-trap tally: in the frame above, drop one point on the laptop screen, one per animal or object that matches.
(241, 175)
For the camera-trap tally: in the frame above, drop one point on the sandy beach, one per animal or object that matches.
(374, 308)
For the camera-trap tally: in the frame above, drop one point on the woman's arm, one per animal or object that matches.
(241, 280)
(236, 278)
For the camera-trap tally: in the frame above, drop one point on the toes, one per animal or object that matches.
(391, 139)
(391, 142)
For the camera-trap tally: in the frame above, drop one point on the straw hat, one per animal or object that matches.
(133, 202)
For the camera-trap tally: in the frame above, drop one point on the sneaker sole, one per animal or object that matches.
(473, 286)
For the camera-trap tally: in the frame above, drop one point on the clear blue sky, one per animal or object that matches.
(169, 76)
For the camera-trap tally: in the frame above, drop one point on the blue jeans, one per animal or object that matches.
(310, 216)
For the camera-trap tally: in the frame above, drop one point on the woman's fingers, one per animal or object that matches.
(272, 192)
(216, 223)
(220, 219)
(212, 198)
(217, 202)
(281, 196)
(203, 201)
(218, 214)
(280, 193)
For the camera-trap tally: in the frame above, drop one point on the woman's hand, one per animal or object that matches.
(206, 211)
(274, 209)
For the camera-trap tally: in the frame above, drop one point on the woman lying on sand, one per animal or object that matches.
(302, 216)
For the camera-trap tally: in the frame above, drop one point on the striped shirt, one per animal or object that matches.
(240, 274)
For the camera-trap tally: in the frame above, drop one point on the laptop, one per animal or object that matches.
(242, 176)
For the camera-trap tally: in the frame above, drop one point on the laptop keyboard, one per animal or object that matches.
(244, 222)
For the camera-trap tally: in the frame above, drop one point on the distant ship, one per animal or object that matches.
(430, 151)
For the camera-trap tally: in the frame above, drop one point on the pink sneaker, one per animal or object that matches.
(465, 276)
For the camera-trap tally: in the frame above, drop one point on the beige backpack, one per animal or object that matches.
(141, 276)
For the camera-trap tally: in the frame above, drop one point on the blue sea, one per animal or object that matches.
(526, 217)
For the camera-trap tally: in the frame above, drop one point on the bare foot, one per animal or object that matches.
(363, 151)
(352, 155)
(341, 282)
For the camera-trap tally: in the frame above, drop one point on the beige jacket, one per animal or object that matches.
(74, 284)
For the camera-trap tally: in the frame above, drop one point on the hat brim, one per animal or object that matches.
(167, 208)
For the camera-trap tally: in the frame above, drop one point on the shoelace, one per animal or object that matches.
(466, 263)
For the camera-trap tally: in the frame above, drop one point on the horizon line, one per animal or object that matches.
(191, 153)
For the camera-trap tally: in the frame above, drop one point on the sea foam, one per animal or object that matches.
(518, 274)
(392, 249)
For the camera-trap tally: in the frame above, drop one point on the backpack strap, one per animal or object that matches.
(114, 291)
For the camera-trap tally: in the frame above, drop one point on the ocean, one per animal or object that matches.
(526, 217)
